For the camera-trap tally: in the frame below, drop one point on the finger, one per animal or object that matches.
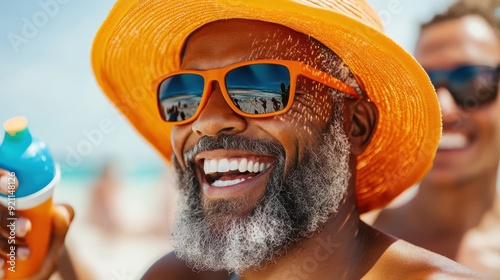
(8, 182)
(23, 253)
(11, 224)
(65, 210)
(2, 272)
(13, 229)
(11, 246)
(62, 216)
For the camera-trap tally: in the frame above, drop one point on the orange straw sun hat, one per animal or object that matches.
(142, 40)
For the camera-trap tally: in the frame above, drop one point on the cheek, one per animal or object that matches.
(302, 126)
(310, 112)
(487, 124)
(492, 119)
(179, 138)
(488, 118)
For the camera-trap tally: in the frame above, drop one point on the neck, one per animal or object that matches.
(448, 207)
(339, 250)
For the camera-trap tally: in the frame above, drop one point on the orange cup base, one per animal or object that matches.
(37, 239)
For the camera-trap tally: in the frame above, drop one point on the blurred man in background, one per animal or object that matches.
(456, 211)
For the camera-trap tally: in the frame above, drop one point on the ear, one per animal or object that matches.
(361, 117)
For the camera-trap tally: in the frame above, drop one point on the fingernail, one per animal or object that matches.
(4, 183)
(23, 253)
(2, 274)
(2, 262)
(23, 226)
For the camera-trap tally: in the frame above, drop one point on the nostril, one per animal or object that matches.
(217, 117)
(218, 123)
(214, 129)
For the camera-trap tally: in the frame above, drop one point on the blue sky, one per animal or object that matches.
(45, 74)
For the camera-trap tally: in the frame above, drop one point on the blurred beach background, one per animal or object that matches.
(45, 75)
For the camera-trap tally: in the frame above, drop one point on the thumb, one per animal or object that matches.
(63, 215)
(8, 181)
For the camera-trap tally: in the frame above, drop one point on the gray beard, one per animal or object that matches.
(208, 237)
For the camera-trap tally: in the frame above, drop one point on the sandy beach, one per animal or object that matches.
(143, 210)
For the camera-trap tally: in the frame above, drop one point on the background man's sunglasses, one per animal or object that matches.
(471, 86)
(254, 89)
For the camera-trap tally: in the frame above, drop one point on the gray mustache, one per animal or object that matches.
(234, 142)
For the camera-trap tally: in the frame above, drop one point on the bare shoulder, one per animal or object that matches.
(403, 260)
(172, 268)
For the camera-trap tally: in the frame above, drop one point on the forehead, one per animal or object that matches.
(466, 40)
(222, 43)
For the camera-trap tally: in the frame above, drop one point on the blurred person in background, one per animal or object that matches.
(103, 199)
(456, 211)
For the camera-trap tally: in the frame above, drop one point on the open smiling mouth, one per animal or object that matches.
(225, 172)
(453, 141)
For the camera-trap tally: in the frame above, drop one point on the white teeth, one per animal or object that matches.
(453, 141)
(256, 167)
(262, 167)
(206, 166)
(233, 165)
(213, 166)
(220, 183)
(223, 165)
(242, 167)
(250, 166)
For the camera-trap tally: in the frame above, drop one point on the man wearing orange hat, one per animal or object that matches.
(456, 211)
(275, 192)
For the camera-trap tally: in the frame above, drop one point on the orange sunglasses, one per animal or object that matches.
(253, 89)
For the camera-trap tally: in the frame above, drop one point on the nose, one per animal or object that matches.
(217, 117)
(450, 111)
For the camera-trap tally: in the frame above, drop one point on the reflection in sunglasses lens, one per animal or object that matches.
(259, 88)
(180, 96)
(471, 86)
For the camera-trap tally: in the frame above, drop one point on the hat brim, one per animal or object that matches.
(142, 40)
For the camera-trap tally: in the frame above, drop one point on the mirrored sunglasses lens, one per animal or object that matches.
(179, 96)
(259, 88)
(473, 86)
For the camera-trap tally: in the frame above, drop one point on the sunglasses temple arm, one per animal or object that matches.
(328, 80)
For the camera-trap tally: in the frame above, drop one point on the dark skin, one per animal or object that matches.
(178, 269)
(357, 250)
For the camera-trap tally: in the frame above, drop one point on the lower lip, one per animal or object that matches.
(237, 190)
(450, 150)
